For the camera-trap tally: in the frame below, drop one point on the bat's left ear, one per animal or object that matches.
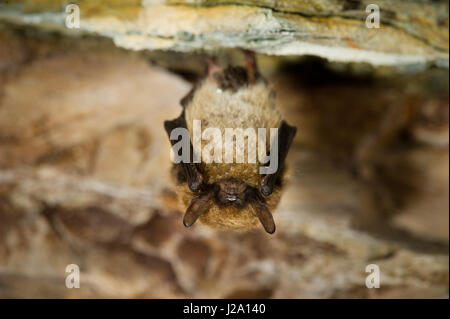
(199, 205)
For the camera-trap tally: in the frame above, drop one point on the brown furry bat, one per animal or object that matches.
(231, 195)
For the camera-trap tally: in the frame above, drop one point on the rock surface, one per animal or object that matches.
(411, 34)
(84, 180)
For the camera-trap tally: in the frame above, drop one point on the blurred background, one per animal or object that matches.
(84, 158)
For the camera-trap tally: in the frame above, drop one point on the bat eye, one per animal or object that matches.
(265, 186)
(195, 186)
(266, 190)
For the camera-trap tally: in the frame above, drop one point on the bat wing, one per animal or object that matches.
(286, 134)
(190, 170)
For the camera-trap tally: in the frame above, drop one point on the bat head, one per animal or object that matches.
(226, 193)
(231, 191)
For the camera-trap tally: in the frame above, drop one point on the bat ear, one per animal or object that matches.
(261, 210)
(265, 216)
(199, 205)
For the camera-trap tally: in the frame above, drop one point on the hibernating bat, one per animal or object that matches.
(235, 195)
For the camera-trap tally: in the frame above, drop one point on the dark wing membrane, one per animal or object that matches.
(188, 98)
(286, 134)
(190, 170)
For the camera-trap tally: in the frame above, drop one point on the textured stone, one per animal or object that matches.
(411, 34)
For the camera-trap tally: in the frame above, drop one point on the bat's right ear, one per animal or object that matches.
(265, 216)
(261, 210)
